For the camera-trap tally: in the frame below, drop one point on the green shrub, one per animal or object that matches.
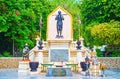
(6, 54)
(116, 53)
(99, 54)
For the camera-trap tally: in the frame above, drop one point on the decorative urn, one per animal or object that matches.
(34, 66)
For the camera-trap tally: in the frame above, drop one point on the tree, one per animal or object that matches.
(100, 11)
(107, 33)
(94, 12)
(17, 23)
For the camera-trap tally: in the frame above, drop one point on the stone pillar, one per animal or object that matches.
(81, 40)
(79, 57)
(38, 57)
(37, 41)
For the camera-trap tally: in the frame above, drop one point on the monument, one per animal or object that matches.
(59, 25)
(59, 55)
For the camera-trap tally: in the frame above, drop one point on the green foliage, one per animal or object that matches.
(94, 12)
(116, 53)
(19, 21)
(107, 33)
(99, 54)
(99, 11)
(101, 23)
(6, 54)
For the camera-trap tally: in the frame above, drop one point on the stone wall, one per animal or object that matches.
(12, 62)
(111, 62)
(9, 62)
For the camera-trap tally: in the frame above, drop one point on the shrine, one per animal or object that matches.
(60, 55)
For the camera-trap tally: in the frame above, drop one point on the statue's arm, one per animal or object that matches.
(56, 18)
(62, 17)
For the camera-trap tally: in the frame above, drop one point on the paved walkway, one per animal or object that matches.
(13, 74)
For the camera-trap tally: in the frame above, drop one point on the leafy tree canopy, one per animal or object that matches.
(19, 20)
(94, 12)
(107, 33)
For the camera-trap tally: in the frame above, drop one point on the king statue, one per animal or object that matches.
(59, 19)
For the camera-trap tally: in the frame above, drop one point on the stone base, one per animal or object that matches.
(95, 70)
(36, 72)
(59, 71)
(23, 66)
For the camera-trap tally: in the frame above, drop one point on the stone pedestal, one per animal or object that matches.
(79, 57)
(95, 69)
(37, 56)
(23, 66)
(59, 71)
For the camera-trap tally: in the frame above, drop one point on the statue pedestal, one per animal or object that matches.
(37, 56)
(23, 66)
(95, 70)
(59, 71)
